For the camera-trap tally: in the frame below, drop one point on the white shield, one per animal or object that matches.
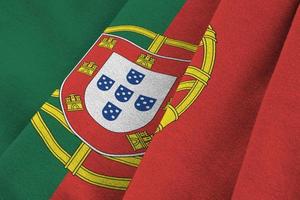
(123, 96)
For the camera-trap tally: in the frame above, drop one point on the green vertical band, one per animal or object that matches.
(28, 170)
(41, 41)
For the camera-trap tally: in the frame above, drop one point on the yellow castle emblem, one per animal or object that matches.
(74, 103)
(88, 68)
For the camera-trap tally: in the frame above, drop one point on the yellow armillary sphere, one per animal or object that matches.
(197, 78)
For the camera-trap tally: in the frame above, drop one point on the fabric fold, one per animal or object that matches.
(270, 169)
(200, 155)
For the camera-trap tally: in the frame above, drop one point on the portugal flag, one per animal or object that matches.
(173, 100)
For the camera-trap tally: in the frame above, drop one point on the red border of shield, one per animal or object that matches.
(84, 126)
